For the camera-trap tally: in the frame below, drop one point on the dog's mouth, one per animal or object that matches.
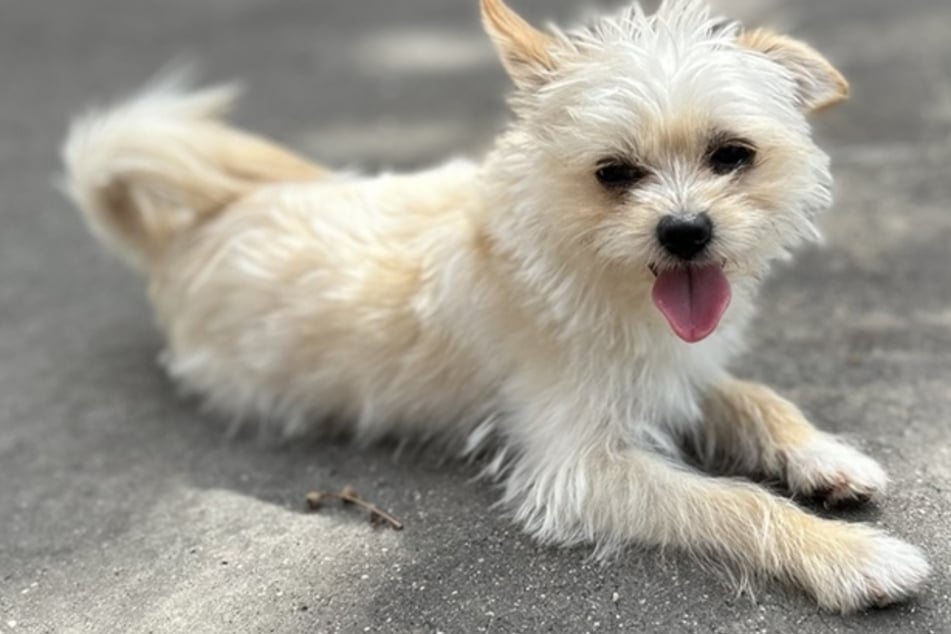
(692, 298)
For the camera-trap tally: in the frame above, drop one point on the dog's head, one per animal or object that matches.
(673, 147)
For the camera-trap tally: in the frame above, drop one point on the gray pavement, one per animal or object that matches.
(125, 509)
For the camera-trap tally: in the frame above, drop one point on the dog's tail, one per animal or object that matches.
(159, 164)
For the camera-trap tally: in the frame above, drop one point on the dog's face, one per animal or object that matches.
(671, 146)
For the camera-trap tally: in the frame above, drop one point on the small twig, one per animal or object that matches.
(349, 495)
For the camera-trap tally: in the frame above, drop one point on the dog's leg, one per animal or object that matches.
(623, 495)
(751, 429)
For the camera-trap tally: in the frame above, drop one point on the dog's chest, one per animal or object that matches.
(659, 388)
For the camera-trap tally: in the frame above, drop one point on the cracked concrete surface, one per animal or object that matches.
(124, 509)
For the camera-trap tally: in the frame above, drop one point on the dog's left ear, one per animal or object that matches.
(818, 84)
(526, 52)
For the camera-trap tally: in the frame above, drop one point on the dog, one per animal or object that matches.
(570, 304)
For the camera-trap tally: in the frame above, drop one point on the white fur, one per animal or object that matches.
(886, 571)
(508, 303)
(827, 465)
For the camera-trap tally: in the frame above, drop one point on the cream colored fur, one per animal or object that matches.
(506, 305)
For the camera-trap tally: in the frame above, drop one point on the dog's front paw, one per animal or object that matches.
(876, 571)
(831, 470)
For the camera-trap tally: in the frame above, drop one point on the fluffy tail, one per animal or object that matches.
(154, 167)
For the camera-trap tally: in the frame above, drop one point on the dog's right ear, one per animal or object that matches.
(526, 52)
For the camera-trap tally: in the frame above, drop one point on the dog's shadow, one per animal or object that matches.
(470, 563)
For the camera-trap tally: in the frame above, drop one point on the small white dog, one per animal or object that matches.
(571, 302)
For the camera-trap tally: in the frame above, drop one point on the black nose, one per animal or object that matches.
(687, 236)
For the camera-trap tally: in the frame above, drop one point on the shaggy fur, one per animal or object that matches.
(509, 303)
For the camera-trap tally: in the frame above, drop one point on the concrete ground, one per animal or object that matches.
(124, 509)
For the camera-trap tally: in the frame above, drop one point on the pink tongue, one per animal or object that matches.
(693, 299)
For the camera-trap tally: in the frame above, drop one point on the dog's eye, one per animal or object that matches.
(618, 174)
(731, 157)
